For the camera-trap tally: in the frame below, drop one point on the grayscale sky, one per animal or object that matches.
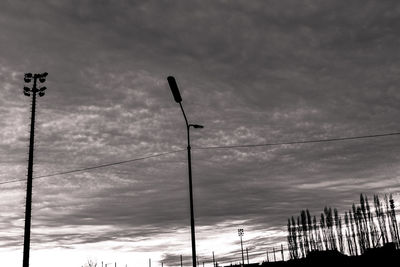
(252, 72)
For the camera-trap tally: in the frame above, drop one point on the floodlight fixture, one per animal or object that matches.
(27, 91)
(240, 232)
(28, 77)
(41, 94)
(42, 89)
(174, 89)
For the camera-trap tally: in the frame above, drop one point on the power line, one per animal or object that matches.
(300, 142)
(208, 148)
(95, 167)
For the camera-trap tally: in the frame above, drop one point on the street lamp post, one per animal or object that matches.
(178, 99)
(28, 207)
(241, 233)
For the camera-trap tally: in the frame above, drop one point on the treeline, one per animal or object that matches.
(359, 229)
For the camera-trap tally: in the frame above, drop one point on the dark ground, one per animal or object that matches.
(374, 257)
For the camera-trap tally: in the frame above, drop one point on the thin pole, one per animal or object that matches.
(267, 256)
(192, 227)
(28, 206)
(274, 254)
(213, 259)
(283, 258)
(181, 262)
(247, 252)
(241, 245)
(149, 262)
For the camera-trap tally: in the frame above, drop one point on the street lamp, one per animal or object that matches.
(41, 77)
(178, 99)
(241, 233)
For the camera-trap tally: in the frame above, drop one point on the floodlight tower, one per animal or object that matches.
(178, 99)
(241, 233)
(28, 207)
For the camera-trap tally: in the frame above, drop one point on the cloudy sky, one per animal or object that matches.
(252, 72)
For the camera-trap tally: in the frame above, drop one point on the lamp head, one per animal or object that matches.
(27, 91)
(240, 232)
(28, 77)
(42, 79)
(174, 89)
(197, 126)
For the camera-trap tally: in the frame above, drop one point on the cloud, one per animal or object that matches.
(251, 73)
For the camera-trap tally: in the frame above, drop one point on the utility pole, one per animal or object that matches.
(181, 261)
(241, 233)
(28, 207)
(213, 260)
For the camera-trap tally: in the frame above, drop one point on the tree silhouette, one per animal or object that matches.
(300, 236)
(323, 231)
(389, 219)
(90, 263)
(349, 233)
(394, 221)
(292, 239)
(353, 234)
(381, 220)
(304, 226)
(310, 231)
(372, 225)
(339, 232)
